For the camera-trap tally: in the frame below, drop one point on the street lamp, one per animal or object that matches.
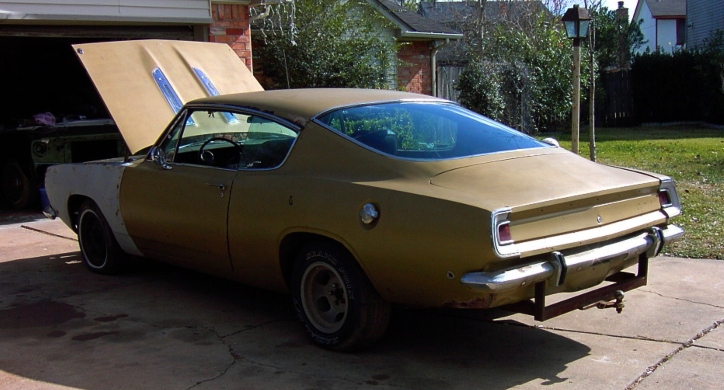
(576, 21)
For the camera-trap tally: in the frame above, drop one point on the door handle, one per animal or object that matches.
(220, 186)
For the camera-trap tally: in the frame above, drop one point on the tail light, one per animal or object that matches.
(664, 198)
(668, 198)
(502, 238)
(504, 233)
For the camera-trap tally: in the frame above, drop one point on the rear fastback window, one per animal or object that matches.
(426, 130)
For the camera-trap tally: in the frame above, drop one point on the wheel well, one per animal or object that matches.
(74, 203)
(293, 243)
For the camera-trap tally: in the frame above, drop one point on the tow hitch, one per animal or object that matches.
(617, 304)
(602, 297)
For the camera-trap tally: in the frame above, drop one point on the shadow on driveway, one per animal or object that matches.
(159, 326)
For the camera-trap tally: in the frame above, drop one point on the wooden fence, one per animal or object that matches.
(616, 107)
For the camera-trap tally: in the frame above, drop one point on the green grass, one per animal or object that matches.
(692, 156)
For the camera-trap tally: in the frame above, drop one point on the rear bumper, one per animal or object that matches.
(559, 267)
(554, 272)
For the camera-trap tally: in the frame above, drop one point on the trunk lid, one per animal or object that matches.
(144, 83)
(560, 193)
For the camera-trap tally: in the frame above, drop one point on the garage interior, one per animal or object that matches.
(43, 75)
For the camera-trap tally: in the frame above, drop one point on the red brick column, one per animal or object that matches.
(231, 26)
(414, 72)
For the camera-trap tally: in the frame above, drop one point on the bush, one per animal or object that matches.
(681, 86)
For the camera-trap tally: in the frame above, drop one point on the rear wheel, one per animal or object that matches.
(337, 304)
(98, 246)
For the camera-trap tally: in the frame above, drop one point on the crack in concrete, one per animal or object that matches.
(618, 336)
(235, 357)
(689, 343)
(682, 299)
(46, 233)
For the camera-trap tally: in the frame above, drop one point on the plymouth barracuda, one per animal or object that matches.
(351, 200)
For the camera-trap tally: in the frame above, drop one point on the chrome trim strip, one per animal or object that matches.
(167, 90)
(212, 91)
(169, 93)
(556, 270)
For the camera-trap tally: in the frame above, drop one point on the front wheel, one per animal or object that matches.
(337, 304)
(98, 246)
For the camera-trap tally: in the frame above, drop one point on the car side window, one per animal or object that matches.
(229, 140)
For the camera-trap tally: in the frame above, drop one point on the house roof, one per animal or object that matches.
(662, 9)
(412, 25)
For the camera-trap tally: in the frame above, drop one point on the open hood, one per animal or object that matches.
(144, 83)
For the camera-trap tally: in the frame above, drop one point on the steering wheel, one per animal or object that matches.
(208, 157)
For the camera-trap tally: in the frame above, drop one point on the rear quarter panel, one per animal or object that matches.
(416, 252)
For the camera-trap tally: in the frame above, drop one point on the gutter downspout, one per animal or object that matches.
(433, 63)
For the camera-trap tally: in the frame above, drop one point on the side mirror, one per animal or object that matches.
(158, 156)
(551, 141)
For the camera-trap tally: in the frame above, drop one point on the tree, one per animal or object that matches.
(518, 69)
(312, 43)
(617, 39)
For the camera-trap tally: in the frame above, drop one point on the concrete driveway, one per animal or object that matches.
(162, 327)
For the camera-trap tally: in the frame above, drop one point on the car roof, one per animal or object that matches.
(300, 105)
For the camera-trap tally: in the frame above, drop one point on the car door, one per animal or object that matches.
(177, 211)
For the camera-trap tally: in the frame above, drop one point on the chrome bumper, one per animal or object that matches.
(555, 270)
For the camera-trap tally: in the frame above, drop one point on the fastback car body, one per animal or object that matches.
(351, 200)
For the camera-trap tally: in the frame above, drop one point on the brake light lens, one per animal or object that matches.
(664, 198)
(503, 244)
(504, 233)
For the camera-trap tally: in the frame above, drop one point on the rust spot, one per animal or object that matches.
(475, 303)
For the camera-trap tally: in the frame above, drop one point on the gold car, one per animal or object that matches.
(351, 200)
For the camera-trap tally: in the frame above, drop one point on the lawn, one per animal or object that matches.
(693, 156)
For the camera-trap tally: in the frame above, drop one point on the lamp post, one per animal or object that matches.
(576, 21)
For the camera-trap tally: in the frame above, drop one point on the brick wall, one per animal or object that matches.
(414, 72)
(231, 26)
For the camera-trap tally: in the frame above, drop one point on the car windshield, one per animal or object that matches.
(425, 130)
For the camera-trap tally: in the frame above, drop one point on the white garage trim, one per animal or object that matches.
(156, 11)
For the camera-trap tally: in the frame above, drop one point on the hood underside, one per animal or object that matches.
(144, 83)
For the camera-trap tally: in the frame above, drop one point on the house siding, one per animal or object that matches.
(648, 28)
(660, 24)
(702, 18)
(172, 11)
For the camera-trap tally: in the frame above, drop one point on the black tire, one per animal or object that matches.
(337, 304)
(18, 189)
(98, 246)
